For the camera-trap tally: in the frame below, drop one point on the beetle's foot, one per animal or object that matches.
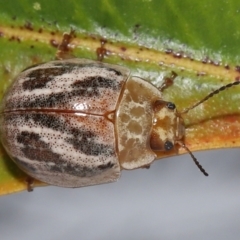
(30, 184)
(146, 166)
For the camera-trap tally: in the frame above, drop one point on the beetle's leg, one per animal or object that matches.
(101, 51)
(64, 49)
(146, 166)
(167, 81)
(30, 183)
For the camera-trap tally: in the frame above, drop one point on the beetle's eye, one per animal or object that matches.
(171, 106)
(168, 145)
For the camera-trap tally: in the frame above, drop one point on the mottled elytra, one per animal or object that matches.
(76, 122)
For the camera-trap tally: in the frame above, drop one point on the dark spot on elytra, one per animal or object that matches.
(106, 166)
(89, 87)
(86, 143)
(79, 171)
(30, 139)
(55, 99)
(41, 155)
(35, 149)
(82, 140)
(40, 77)
(47, 120)
(95, 83)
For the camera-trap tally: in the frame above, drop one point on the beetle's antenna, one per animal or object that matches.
(193, 158)
(210, 95)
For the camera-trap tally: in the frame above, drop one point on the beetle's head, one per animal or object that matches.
(168, 128)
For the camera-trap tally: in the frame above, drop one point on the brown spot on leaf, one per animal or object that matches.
(237, 68)
(28, 26)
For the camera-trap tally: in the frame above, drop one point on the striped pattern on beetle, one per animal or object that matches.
(78, 122)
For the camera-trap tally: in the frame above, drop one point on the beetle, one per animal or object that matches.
(77, 122)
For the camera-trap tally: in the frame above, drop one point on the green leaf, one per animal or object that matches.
(199, 40)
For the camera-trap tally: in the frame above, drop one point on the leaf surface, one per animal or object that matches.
(199, 40)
